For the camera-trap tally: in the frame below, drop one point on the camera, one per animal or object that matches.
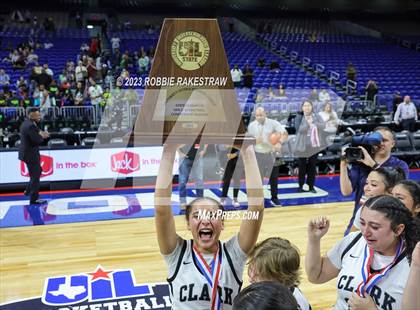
(368, 141)
(353, 154)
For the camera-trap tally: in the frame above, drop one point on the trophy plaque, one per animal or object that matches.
(189, 93)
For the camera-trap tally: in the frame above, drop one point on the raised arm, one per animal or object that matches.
(164, 219)
(250, 228)
(319, 269)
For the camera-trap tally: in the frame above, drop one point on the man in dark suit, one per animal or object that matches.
(31, 137)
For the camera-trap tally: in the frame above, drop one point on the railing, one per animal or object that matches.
(13, 112)
(48, 113)
(334, 76)
(351, 86)
(306, 61)
(283, 50)
(319, 69)
(294, 55)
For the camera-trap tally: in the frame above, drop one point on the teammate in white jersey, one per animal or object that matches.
(379, 182)
(408, 191)
(411, 299)
(276, 259)
(371, 266)
(205, 273)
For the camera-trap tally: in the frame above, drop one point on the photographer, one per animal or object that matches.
(353, 177)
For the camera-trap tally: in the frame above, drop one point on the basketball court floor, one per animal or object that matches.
(97, 249)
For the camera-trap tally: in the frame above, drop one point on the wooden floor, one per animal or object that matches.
(31, 254)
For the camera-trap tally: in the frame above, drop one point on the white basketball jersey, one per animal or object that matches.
(301, 299)
(189, 288)
(386, 293)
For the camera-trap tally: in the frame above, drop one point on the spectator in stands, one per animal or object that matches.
(21, 82)
(79, 94)
(44, 99)
(48, 70)
(151, 52)
(353, 178)
(351, 72)
(32, 57)
(259, 97)
(18, 61)
(274, 66)
(330, 118)
(281, 91)
(406, 114)
(308, 126)
(84, 49)
(25, 101)
(81, 73)
(125, 61)
(313, 96)
(248, 76)
(95, 47)
(4, 78)
(54, 93)
(95, 93)
(371, 90)
(396, 101)
(261, 62)
(271, 94)
(277, 259)
(35, 27)
(116, 59)
(14, 100)
(143, 63)
(115, 42)
(324, 96)
(44, 79)
(236, 74)
(92, 71)
(3, 100)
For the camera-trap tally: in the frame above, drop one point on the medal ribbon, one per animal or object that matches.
(370, 278)
(211, 273)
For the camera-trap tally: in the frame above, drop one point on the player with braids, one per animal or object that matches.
(372, 265)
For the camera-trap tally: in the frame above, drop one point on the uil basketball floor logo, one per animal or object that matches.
(98, 290)
(104, 289)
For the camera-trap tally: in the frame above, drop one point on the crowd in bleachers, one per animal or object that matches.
(67, 69)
